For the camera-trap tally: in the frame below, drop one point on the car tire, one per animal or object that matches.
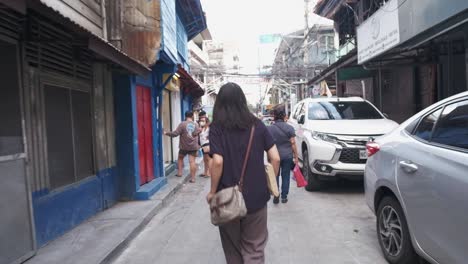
(313, 182)
(390, 212)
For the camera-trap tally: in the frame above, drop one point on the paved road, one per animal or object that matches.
(332, 227)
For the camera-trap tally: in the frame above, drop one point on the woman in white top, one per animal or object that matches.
(205, 144)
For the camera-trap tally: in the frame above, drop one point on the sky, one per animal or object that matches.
(237, 19)
(243, 21)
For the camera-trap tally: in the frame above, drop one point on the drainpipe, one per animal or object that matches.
(116, 22)
(104, 19)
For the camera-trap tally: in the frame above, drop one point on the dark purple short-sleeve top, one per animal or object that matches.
(232, 146)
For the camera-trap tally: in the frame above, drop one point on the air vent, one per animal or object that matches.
(10, 22)
(53, 48)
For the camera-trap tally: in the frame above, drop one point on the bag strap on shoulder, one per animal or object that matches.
(247, 154)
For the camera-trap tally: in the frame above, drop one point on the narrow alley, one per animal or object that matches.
(333, 226)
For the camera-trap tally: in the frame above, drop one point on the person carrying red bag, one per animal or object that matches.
(285, 139)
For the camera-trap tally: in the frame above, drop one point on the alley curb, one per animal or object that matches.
(164, 201)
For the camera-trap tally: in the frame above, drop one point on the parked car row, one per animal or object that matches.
(415, 174)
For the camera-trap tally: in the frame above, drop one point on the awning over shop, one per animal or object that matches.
(188, 84)
(106, 50)
(356, 72)
(328, 8)
(96, 43)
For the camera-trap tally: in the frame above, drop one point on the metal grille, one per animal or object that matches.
(53, 48)
(351, 155)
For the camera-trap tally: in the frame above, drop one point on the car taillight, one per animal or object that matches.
(372, 148)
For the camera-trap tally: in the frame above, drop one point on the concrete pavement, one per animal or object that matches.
(106, 234)
(330, 227)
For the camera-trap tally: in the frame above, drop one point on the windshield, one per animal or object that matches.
(342, 111)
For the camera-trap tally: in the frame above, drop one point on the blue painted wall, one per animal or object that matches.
(126, 135)
(169, 30)
(182, 47)
(59, 211)
(186, 104)
(110, 187)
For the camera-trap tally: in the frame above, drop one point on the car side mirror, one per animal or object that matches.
(301, 119)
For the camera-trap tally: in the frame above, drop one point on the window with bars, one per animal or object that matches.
(69, 135)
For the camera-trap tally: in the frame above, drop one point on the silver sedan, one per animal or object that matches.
(416, 182)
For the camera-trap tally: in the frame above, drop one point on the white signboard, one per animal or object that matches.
(379, 33)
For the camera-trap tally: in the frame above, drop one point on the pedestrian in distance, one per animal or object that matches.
(243, 240)
(205, 144)
(285, 140)
(188, 131)
(203, 115)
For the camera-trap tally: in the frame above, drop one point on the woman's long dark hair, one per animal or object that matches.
(231, 110)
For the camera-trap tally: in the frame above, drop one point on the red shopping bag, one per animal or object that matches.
(301, 182)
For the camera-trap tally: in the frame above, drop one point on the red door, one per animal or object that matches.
(145, 134)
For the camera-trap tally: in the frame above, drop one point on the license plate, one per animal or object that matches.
(363, 154)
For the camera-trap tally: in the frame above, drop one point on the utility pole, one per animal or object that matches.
(306, 41)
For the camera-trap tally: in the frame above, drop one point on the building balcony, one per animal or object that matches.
(197, 54)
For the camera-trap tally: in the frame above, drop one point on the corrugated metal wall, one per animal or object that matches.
(86, 13)
(141, 31)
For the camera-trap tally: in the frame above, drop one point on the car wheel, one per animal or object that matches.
(393, 233)
(313, 183)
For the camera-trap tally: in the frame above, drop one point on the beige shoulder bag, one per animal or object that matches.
(228, 204)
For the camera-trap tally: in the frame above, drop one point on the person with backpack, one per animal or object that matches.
(285, 140)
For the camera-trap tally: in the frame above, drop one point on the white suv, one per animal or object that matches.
(332, 134)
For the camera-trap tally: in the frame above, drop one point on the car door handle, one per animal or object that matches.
(408, 166)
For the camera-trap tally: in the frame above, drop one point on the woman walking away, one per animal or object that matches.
(205, 144)
(244, 239)
(285, 139)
